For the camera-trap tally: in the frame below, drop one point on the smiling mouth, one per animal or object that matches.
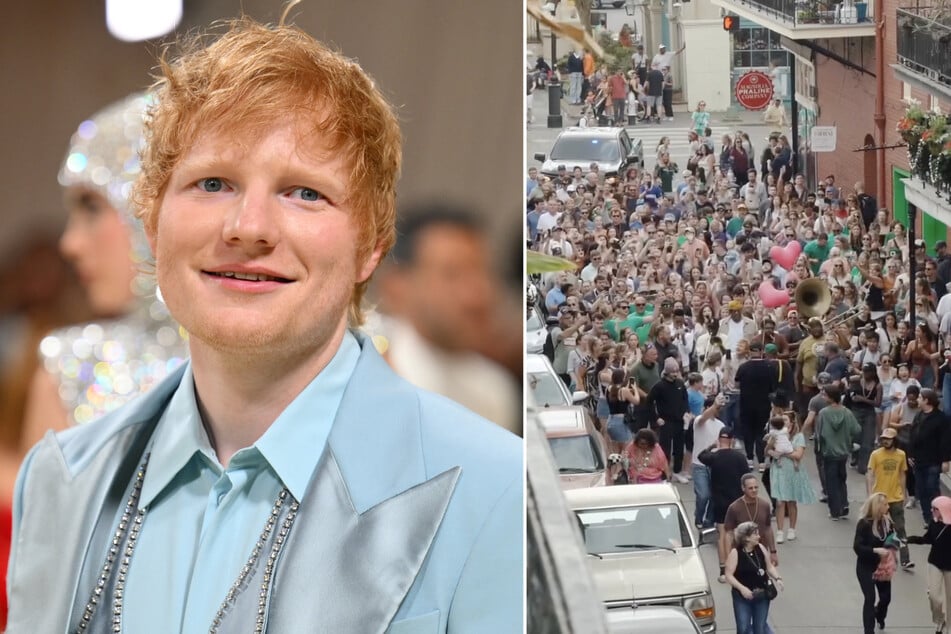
(250, 277)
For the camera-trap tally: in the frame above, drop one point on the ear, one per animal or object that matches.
(370, 264)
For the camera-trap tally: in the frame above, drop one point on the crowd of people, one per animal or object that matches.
(668, 318)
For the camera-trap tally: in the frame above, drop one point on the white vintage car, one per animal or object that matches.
(643, 550)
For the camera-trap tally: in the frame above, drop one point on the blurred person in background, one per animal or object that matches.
(440, 299)
(88, 369)
(93, 368)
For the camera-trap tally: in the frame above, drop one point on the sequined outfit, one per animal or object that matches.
(101, 365)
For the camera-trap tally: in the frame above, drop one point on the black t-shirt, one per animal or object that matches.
(756, 379)
(726, 468)
(655, 83)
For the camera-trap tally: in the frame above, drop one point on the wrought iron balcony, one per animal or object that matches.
(807, 19)
(924, 43)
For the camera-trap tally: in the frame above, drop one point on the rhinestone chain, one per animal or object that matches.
(127, 520)
(251, 564)
(117, 540)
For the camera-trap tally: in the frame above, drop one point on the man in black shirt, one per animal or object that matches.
(655, 92)
(667, 405)
(756, 379)
(727, 465)
(930, 448)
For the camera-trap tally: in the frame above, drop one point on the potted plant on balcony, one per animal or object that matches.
(807, 13)
(928, 135)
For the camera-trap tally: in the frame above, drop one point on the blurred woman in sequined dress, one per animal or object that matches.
(90, 369)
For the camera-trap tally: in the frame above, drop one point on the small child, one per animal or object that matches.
(779, 435)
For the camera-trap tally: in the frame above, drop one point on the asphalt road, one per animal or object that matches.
(821, 594)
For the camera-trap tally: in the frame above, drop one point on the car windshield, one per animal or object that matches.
(533, 322)
(627, 529)
(576, 454)
(569, 148)
(547, 389)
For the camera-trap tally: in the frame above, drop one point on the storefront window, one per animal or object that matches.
(758, 48)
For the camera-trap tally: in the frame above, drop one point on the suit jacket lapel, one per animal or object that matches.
(370, 515)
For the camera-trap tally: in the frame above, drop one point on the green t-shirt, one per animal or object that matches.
(733, 226)
(814, 251)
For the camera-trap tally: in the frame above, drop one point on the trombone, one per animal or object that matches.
(814, 299)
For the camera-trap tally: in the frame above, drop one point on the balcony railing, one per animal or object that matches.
(811, 12)
(924, 42)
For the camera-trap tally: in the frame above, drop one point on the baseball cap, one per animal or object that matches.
(726, 432)
(868, 367)
(572, 188)
(662, 46)
(671, 366)
(735, 305)
(670, 218)
(771, 348)
(889, 432)
(919, 243)
(824, 378)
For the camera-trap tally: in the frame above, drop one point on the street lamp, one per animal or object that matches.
(554, 86)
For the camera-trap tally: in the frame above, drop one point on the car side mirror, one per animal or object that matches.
(579, 396)
(708, 536)
(539, 157)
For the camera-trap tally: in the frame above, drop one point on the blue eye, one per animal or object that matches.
(211, 185)
(308, 194)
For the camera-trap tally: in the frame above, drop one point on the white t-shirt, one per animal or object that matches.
(734, 334)
(704, 435)
(662, 60)
(864, 356)
(712, 381)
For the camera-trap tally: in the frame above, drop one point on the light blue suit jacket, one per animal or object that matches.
(415, 522)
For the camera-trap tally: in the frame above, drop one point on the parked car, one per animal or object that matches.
(652, 619)
(577, 446)
(644, 549)
(611, 148)
(536, 332)
(546, 389)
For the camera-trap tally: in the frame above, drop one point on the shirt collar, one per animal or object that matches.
(292, 445)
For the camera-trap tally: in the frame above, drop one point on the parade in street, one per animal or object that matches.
(760, 347)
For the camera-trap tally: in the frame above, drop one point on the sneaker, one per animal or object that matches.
(911, 503)
(908, 566)
(791, 534)
(722, 578)
(679, 478)
(779, 537)
(823, 498)
(750, 464)
(762, 467)
(845, 511)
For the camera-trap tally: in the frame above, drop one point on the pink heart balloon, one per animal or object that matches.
(786, 256)
(772, 297)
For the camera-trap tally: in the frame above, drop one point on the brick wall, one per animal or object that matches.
(846, 99)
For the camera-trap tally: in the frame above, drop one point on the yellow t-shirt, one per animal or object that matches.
(808, 360)
(888, 465)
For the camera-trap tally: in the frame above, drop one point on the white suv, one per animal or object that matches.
(643, 549)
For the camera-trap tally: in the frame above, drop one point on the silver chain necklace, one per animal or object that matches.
(131, 522)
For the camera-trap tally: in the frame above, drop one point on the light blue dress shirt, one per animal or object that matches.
(203, 520)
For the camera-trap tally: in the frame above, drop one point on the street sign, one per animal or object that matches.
(822, 138)
(754, 90)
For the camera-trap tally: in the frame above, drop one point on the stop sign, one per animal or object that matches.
(754, 90)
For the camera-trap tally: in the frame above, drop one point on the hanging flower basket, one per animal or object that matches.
(928, 135)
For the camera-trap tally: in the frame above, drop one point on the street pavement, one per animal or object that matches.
(822, 595)
(539, 137)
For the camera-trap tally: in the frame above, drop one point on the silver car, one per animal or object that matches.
(611, 148)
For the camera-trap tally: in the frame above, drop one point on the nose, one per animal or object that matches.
(253, 220)
(71, 242)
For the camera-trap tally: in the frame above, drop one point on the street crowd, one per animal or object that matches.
(730, 323)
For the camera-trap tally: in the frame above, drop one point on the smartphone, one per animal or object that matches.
(729, 354)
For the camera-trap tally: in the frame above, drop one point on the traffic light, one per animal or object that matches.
(731, 23)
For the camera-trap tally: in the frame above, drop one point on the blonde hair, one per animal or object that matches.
(868, 508)
(255, 76)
